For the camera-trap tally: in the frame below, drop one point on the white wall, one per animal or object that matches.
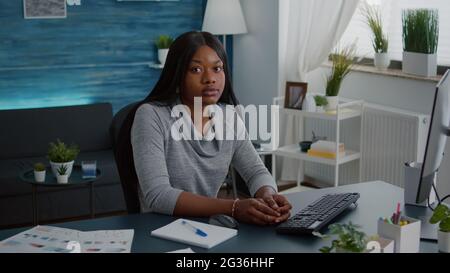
(255, 54)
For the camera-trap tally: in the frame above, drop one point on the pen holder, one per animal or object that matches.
(386, 245)
(406, 238)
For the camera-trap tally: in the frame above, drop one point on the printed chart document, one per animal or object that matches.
(48, 239)
(185, 233)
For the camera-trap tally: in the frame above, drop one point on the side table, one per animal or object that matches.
(75, 179)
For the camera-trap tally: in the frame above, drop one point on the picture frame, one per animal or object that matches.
(295, 95)
(44, 9)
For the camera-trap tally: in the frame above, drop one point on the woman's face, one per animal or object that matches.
(205, 77)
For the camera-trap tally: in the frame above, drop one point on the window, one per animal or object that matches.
(391, 11)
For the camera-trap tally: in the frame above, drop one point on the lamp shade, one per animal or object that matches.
(223, 17)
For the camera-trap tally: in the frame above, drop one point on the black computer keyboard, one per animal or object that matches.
(318, 214)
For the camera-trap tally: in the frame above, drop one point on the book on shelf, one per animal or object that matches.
(325, 154)
(327, 146)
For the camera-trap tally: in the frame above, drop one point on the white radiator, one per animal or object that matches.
(390, 137)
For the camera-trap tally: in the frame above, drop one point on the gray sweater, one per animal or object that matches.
(166, 167)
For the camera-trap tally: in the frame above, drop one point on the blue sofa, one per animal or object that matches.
(24, 138)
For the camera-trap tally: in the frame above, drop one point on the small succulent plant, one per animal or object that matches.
(62, 170)
(39, 167)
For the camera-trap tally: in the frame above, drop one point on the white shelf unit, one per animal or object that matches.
(344, 111)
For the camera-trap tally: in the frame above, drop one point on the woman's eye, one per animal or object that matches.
(218, 68)
(196, 69)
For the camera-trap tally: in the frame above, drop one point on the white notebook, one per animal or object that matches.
(179, 232)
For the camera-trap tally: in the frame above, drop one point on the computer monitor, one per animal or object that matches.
(437, 137)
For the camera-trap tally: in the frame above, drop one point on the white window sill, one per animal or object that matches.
(389, 72)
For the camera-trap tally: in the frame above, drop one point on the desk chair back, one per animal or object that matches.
(124, 156)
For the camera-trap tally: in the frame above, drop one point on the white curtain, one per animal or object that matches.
(310, 30)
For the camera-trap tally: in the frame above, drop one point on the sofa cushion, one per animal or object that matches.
(27, 132)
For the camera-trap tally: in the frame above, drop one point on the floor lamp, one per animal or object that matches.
(224, 17)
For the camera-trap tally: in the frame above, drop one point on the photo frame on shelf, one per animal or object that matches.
(44, 9)
(295, 95)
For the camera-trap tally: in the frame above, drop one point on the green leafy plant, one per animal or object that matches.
(372, 16)
(62, 170)
(342, 61)
(59, 152)
(320, 100)
(420, 30)
(39, 167)
(441, 215)
(163, 41)
(349, 238)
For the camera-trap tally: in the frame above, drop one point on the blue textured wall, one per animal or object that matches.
(97, 54)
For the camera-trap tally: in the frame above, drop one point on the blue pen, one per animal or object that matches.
(194, 229)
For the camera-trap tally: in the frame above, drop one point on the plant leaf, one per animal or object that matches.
(440, 212)
(325, 249)
(445, 225)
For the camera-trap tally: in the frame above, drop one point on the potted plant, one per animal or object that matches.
(62, 177)
(342, 62)
(39, 172)
(372, 16)
(441, 215)
(163, 43)
(350, 239)
(420, 41)
(321, 101)
(61, 154)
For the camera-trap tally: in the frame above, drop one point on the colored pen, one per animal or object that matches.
(194, 229)
(398, 213)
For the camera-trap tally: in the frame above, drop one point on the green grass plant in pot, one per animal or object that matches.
(342, 62)
(420, 41)
(380, 44)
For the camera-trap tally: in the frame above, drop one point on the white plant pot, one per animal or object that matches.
(332, 102)
(381, 61)
(55, 166)
(39, 176)
(419, 64)
(62, 179)
(444, 241)
(320, 109)
(162, 55)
